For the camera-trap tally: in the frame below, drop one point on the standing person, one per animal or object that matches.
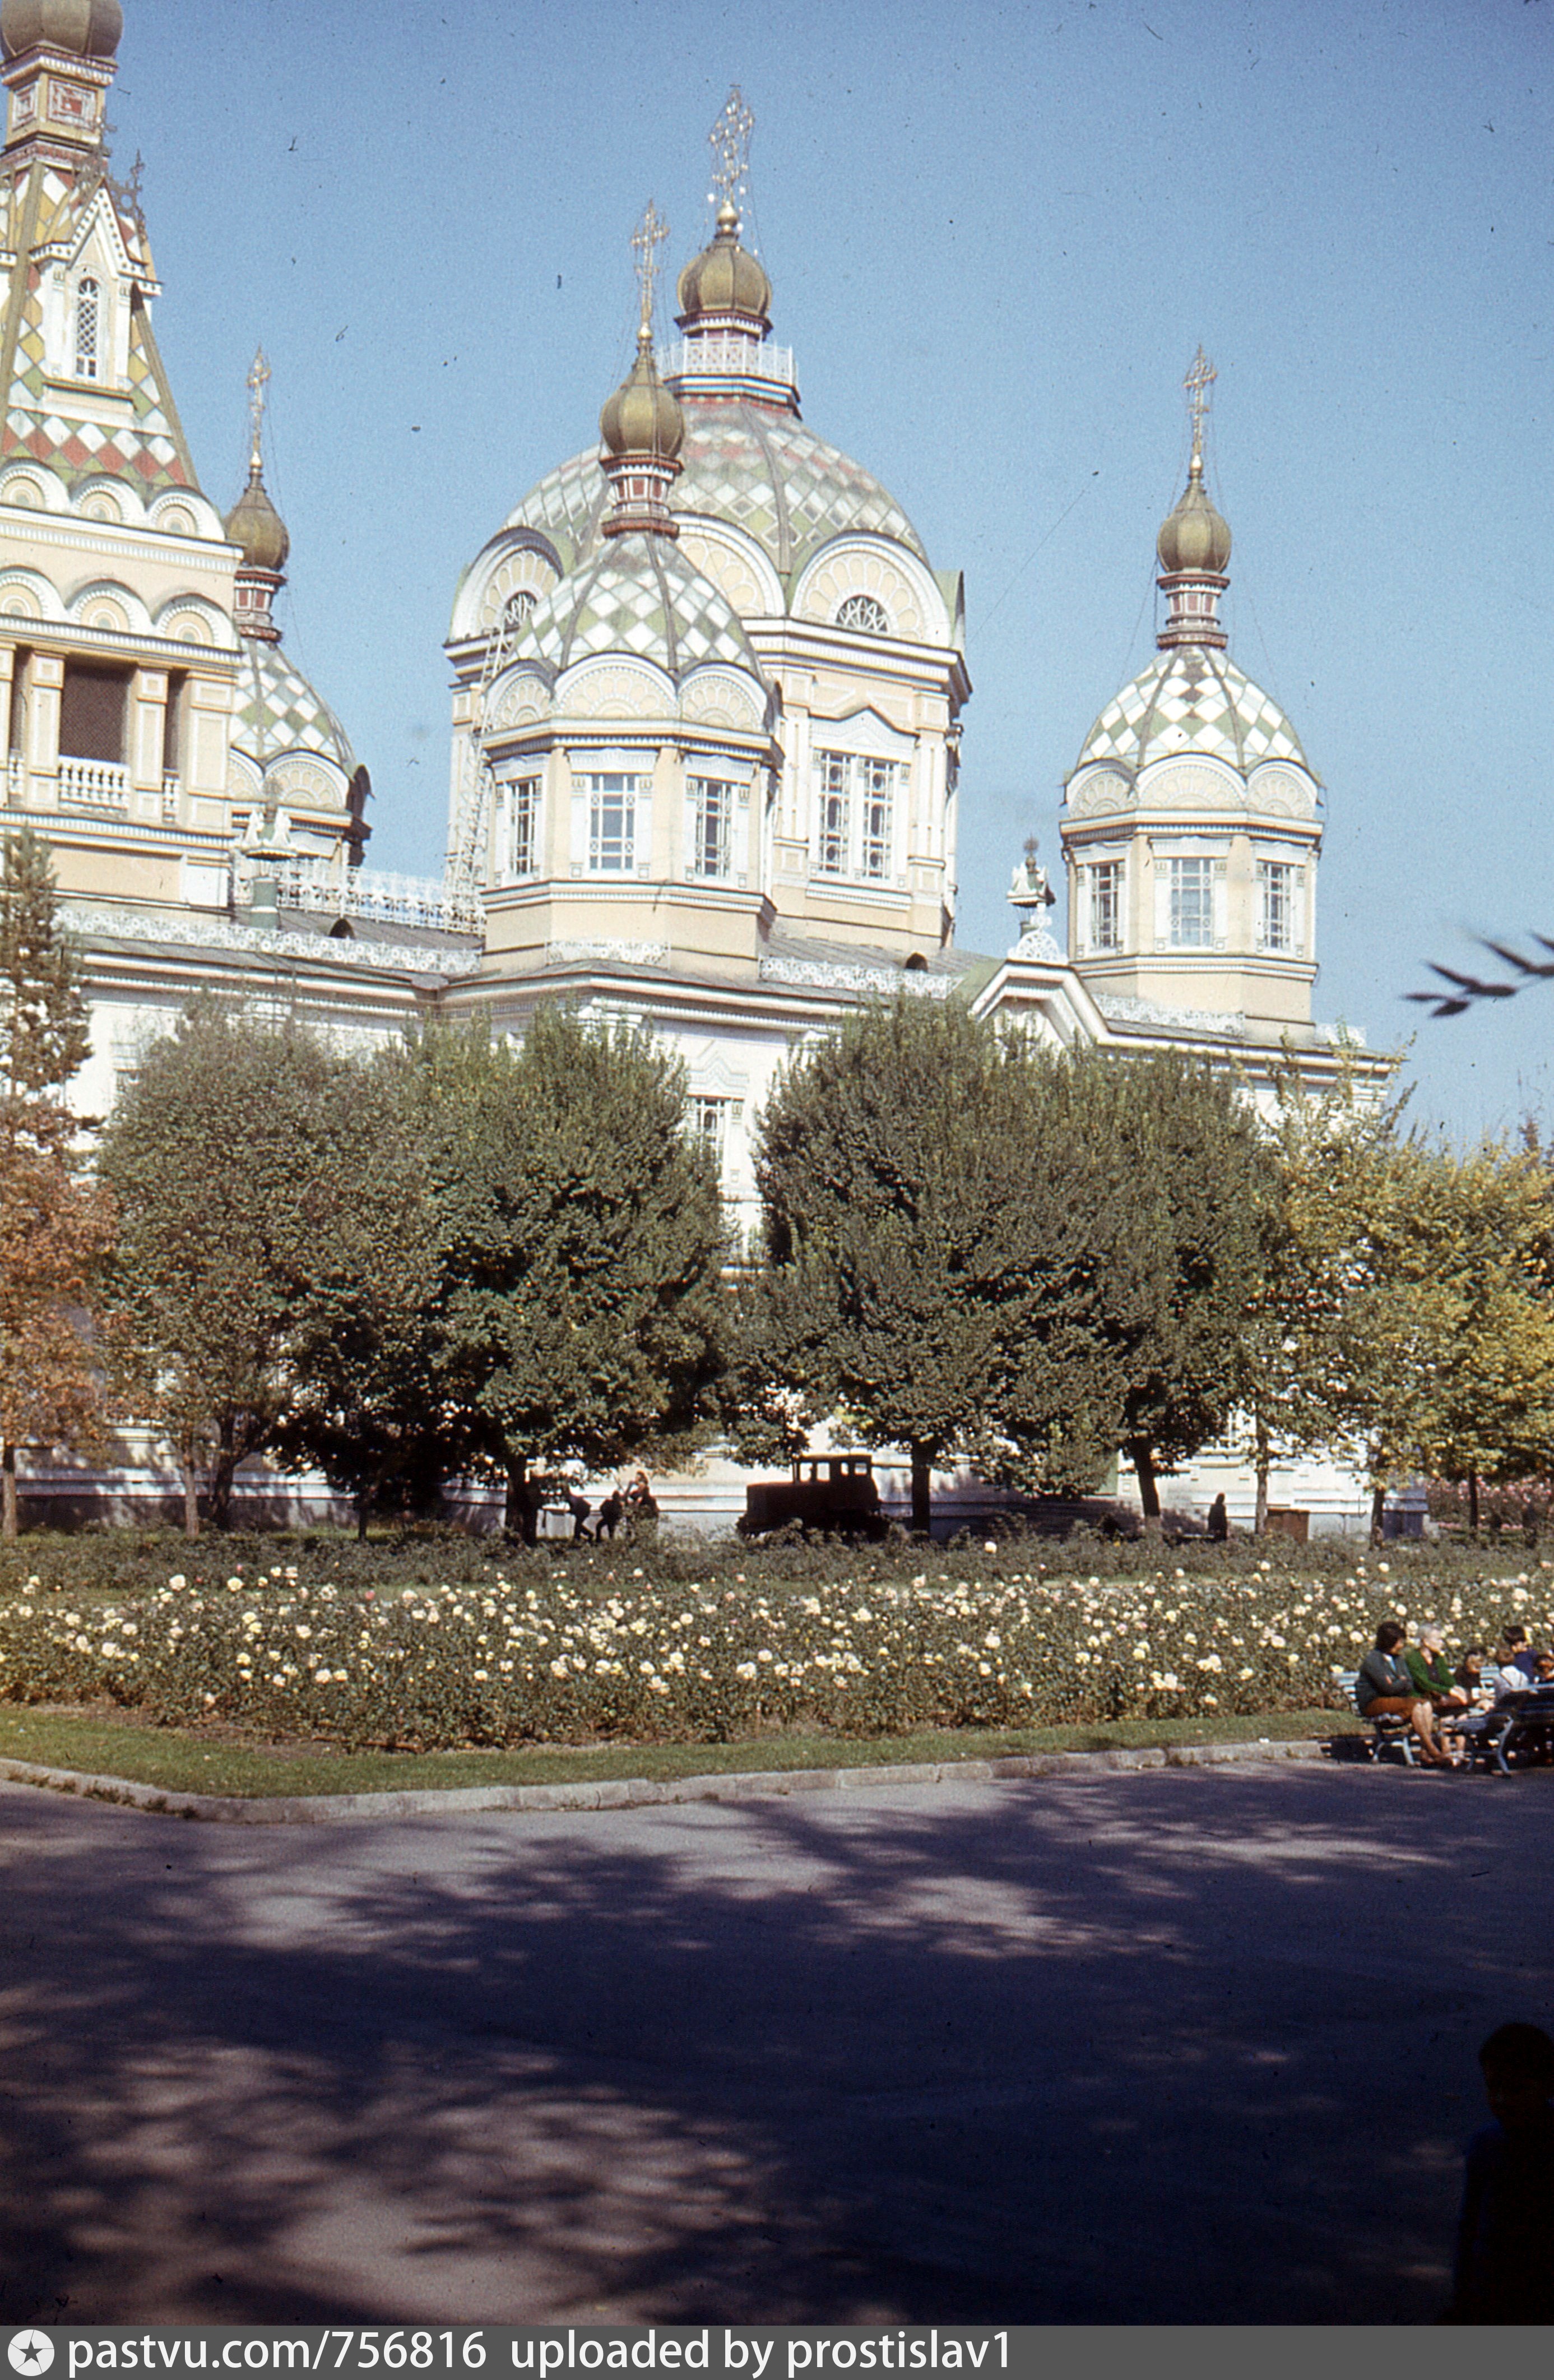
(1219, 1520)
(610, 1513)
(640, 1502)
(1505, 2235)
(579, 1508)
(1383, 1689)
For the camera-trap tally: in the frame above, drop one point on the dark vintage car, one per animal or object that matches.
(832, 1494)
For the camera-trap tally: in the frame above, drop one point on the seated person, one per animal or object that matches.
(1428, 1666)
(1471, 1676)
(1383, 1689)
(1543, 1670)
(1513, 1670)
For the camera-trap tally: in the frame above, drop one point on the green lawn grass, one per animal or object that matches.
(181, 1761)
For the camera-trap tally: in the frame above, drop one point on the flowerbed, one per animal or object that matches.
(555, 1659)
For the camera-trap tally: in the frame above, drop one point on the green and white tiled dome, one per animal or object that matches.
(1191, 699)
(765, 472)
(636, 594)
(279, 711)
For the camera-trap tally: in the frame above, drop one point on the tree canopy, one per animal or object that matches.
(54, 1222)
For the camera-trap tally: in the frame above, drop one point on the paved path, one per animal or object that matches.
(1077, 2050)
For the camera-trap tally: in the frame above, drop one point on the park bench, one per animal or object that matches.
(1518, 1730)
(1386, 1728)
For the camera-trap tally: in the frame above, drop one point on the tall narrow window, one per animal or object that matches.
(1192, 903)
(16, 741)
(878, 783)
(1106, 905)
(612, 824)
(88, 329)
(835, 835)
(709, 1120)
(173, 723)
(519, 853)
(712, 826)
(1276, 905)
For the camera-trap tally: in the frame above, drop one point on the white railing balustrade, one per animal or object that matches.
(751, 358)
(94, 784)
(369, 893)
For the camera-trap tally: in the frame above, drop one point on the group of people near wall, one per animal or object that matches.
(1398, 1680)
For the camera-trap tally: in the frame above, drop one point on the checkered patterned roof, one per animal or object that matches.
(637, 594)
(279, 711)
(741, 463)
(39, 422)
(1191, 699)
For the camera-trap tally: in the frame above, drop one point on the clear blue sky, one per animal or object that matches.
(996, 236)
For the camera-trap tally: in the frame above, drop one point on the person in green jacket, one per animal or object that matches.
(1431, 1671)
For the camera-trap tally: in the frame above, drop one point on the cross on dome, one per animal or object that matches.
(730, 143)
(1201, 376)
(259, 379)
(647, 239)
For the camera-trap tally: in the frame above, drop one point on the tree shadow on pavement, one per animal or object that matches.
(1094, 2050)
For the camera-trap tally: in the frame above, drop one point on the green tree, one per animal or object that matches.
(1306, 1341)
(929, 1204)
(1455, 1329)
(363, 1330)
(54, 1222)
(1178, 1248)
(218, 1159)
(582, 1245)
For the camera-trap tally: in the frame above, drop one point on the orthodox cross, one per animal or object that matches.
(647, 239)
(730, 143)
(258, 382)
(1199, 380)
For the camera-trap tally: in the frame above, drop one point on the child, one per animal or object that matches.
(1505, 2238)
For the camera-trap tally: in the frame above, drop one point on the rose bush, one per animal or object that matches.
(545, 1656)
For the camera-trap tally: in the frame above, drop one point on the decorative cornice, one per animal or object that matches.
(575, 953)
(827, 978)
(320, 950)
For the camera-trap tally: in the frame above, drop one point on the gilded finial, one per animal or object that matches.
(258, 379)
(730, 143)
(647, 239)
(1199, 380)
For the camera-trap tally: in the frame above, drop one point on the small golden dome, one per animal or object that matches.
(1194, 537)
(85, 29)
(642, 418)
(725, 279)
(255, 525)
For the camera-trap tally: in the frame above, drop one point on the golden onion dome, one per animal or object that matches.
(642, 418)
(1194, 537)
(255, 525)
(725, 279)
(84, 29)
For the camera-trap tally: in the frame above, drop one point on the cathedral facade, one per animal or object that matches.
(707, 689)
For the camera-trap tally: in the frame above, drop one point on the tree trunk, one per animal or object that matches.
(8, 1522)
(519, 1519)
(1265, 1459)
(1142, 1456)
(363, 1506)
(1473, 1501)
(922, 1489)
(1378, 1515)
(191, 1498)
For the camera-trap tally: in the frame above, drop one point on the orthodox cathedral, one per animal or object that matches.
(708, 691)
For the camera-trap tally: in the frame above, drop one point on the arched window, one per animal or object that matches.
(863, 611)
(88, 328)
